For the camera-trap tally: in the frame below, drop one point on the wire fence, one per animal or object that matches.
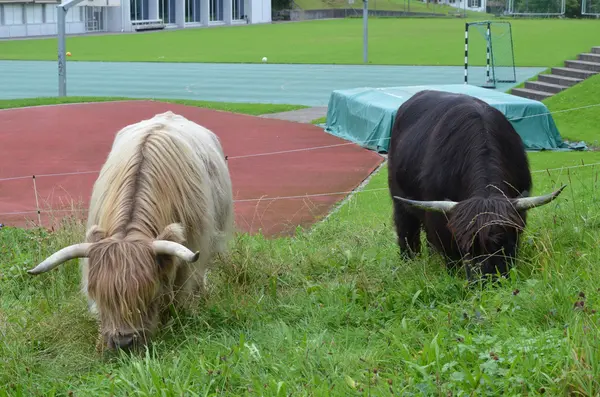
(265, 198)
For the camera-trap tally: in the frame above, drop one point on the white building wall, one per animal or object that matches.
(20, 20)
(469, 5)
(259, 11)
(27, 19)
(117, 20)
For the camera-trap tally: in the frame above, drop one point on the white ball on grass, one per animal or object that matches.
(264, 59)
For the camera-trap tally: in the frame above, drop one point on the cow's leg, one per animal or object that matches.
(408, 228)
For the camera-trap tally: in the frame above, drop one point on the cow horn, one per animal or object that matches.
(165, 247)
(526, 203)
(61, 256)
(440, 206)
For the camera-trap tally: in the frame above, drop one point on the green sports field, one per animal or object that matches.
(389, 5)
(403, 41)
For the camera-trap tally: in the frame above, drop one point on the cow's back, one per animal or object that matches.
(451, 146)
(164, 170)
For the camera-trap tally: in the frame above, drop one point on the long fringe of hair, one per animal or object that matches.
(480, 221)
(124, 279)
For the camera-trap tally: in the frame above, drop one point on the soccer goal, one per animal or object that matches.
(539, 8)
(489, 55)
(590, 8)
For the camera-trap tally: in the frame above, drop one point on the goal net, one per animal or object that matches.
(536, 7)
(590, 7)
(489, 56)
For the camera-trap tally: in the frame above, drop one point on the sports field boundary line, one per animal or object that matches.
(326, 64)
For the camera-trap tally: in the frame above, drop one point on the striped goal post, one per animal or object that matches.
(496, 37)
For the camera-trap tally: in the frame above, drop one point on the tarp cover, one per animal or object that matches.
(366, 115)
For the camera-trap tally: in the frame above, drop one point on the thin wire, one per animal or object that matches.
(301, 150)
(56, 174)
(558, 111)
(292, 150)
(565, 168)
(228, 158)
(306, 195)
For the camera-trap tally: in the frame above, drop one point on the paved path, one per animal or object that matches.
(301, 115)
(309, 85)
(78, 137)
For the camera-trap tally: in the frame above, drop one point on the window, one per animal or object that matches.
(238, 9)
(13, 14)
(50, 13)
(216, 10)
(192, 10)
(34, 13)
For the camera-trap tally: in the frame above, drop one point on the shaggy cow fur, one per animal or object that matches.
(165, 179)
(455, 147)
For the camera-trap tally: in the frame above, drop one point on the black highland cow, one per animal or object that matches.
(457, 166)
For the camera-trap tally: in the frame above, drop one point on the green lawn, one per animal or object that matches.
(402, 41)
(582, 124)
(246, 108)
(388, 5)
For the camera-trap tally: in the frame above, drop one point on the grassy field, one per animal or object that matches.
(245, 108)
(388, 5)
(407, 41)
(582, 124)
(334, 311)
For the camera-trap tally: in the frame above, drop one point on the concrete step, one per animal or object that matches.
(589, 56)
(570, 72)
(583, 65)
(544, 87)
(531, 94)
(596, 50)
(560, 80)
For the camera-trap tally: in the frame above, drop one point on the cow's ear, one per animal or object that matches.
(174, 232)
(95, 234)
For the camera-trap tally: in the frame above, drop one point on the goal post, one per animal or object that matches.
(539, 8)
(489, 54)
(590, 8)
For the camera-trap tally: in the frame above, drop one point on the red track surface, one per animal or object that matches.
(77, 138)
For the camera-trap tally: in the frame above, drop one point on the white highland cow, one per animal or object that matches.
(160, 211)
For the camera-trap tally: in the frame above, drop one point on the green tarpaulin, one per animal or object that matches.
(366, 115)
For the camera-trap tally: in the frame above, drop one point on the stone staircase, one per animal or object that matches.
(561, 78)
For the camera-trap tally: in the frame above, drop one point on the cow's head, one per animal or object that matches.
(486, 230)
(130, 280)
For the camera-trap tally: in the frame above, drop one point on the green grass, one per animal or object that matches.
(320, 120)
(334, 312)
(245, 108)
(581, 124)
(388, 5)
(405, 41)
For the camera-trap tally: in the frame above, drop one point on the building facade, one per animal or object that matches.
(38, 17)
(468, 5)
